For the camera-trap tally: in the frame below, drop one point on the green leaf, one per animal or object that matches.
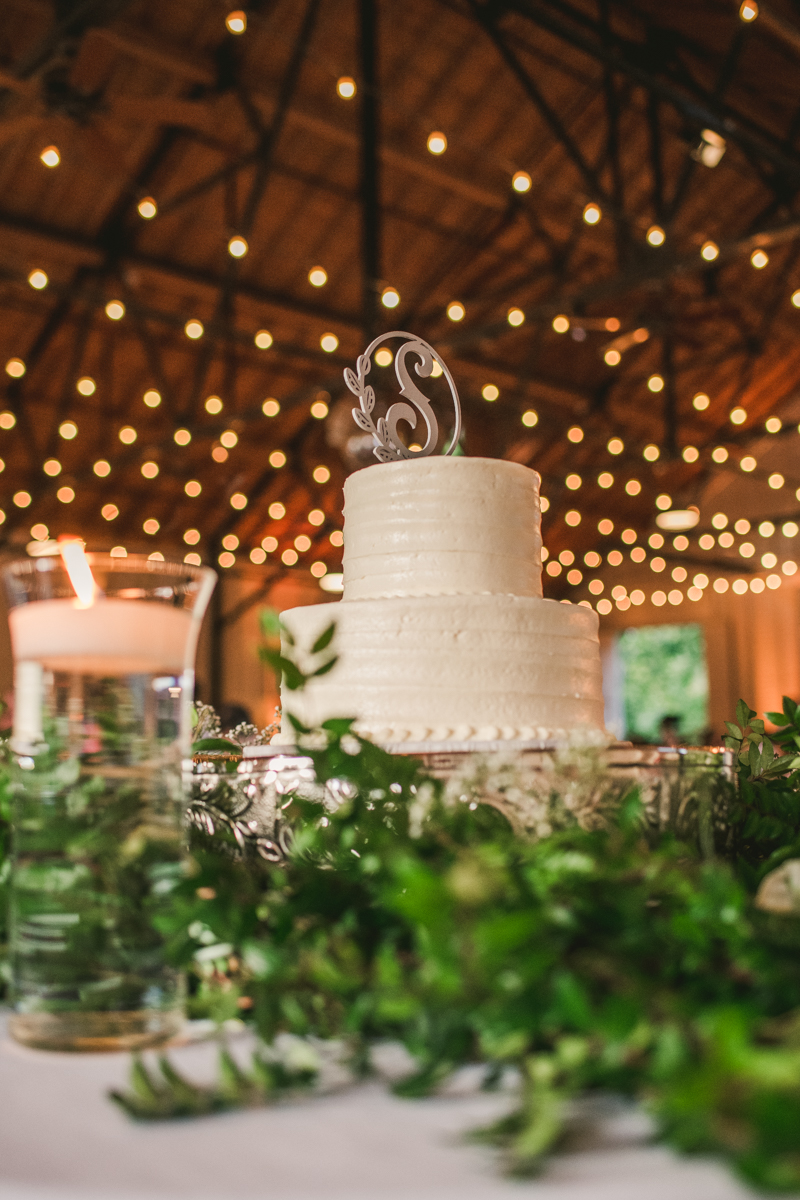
(777, 718)
(790, 708)
(296, 724)
(757, 725)
(733, 730)
(270, 621)
(743, 713)
(325, 638)
(206, 745)
(328, 666)
(339, 725)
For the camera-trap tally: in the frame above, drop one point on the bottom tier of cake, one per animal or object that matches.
(452, 668)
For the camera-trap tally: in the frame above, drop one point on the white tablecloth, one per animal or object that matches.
(62, 1139)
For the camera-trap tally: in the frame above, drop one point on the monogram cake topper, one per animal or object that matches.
(388, 445)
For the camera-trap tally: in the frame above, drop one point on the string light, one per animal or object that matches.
(318, 569)
(277, 510)
(592, 559)
(759, 259)
(530, 418)
(575, 434)
(701, 401)
(719, 454)
(152, 398)
(663, 502)
(789, 568)
(118, 552)
(490, 392)
(21, 499)
(270, 407)
(521, 182)
(228, 439)
(766, 529)
(690, 454)
(319, 409)
(573, 517)
(86, 386)
(127, 435)
(147, 208)
(561, 324)
(796, 298)
(316, 517)
(16, 368)
(776, 481)
(592, 213)
(270, 544)
(317, 277)
(605, 526)
(66, 495)
(573, 482)
(182, 437)
(773, 425)
(612, 357)
(346, 87)
(149, 470)
(237, 246)
(115, 310)
(437, 143)
(384, 357)
(633, 487)
(151, 526)
(277, 459)
(50, 156)
(390, 297)
(102, 468)
(289, 557)
(40, 533)
(191, 537)
(263, 339)
(52, 467)
(651, 453)
(615, 445)
(236, 21)
(68, 430)
(604, 607)
(226, 559)
(656, 235)
(709, 251)
(302, 542)
(213, 405)
(230, 541)
(790, 529)
(515, 317)
(742, 525)
(748, 11)
(748, 463)
(605, 479)
(193, 488)
(38, 279)
(655, 383)
(193, 329)
(456, 311)
(219, 454)
(329, 342)
(238, 500)
(321, 474)
(258, 555)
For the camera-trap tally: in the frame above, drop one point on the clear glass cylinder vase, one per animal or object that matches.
(104, 652)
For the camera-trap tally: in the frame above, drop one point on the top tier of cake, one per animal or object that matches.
(442, 526)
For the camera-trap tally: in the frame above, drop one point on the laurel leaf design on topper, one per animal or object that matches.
(389, 447)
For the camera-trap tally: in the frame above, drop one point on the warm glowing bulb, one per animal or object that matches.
(561, 324)
(66, 495)
(237, 246)
(86, 385)
(384, 357)
(615, 445)
(151, 526)
(115, 310)
(193, 329)
(701, 401)
(16, 368)
(530, 418)
(796, 298)
(515, 316)
(437, 143)
(773, 425)
(68, 430)
(655, 383)
(238, 500)
(575, 434)
(748, 10)
(191, 537)
(521, 182)
(456, 311)
(236, 21)
(52, 467)
(127, 435)
(390, 297)
(277, 459)
(346, 87)
(7, 421)
(592, 213)
(213, 405)
(651, 453)
(318, 277)
(709, 251)
(319, 409)
(270, 407)
(147, 208)
(329, 342)
(738, 416)
(612, 358)
(109, 512)
(263, 339)
(50, 156)
(182, 437)
(228, 439)
(321, 474)
(38, 280)
(656, 235)
(102, 468)
(759, 259)
(149, 470)
(316, 517)
(230, 541)
(193, 488)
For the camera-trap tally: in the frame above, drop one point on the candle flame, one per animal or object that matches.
(73, 555)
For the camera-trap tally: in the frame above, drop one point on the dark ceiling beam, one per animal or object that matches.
(643, 63)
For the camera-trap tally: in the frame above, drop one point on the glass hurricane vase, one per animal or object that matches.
(102, 700)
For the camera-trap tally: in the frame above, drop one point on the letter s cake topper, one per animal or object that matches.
(388, 445)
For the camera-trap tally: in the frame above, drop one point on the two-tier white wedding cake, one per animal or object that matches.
(442, 632)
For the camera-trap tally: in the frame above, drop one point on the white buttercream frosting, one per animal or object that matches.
(442, 526)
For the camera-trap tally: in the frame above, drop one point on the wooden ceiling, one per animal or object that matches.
(599, 101)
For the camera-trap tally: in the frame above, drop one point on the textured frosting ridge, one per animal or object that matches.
(442, 526)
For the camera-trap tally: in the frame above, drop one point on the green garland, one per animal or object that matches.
(585, 958)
